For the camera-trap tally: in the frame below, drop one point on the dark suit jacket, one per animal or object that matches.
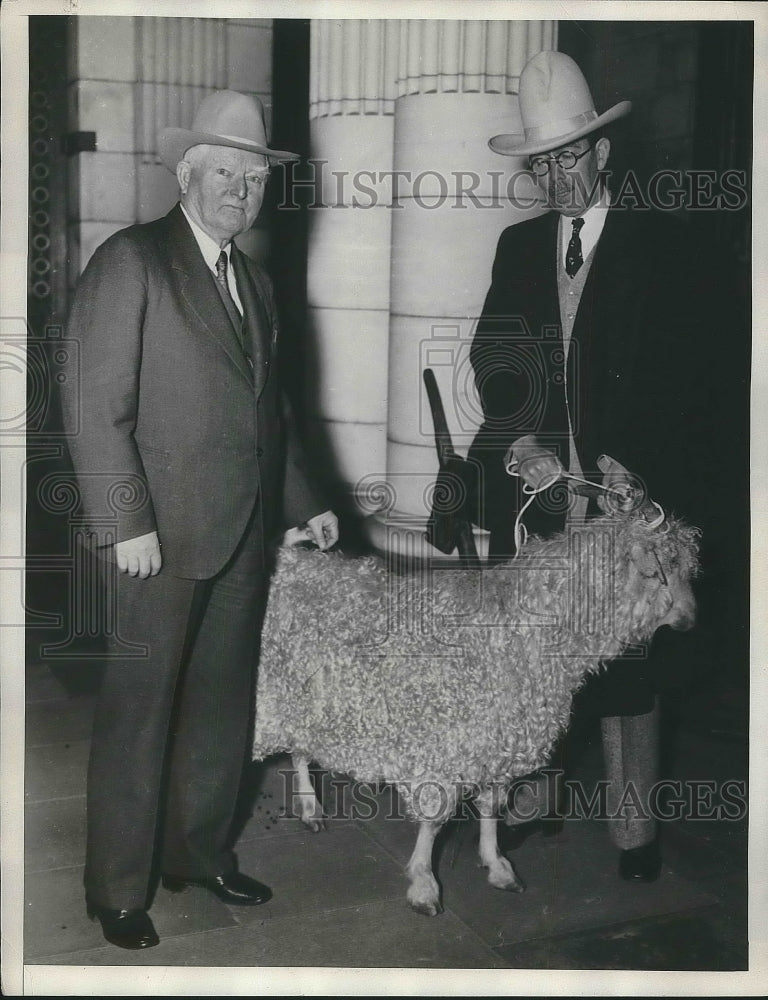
(648, 335)
(655, 378)
(176, 432)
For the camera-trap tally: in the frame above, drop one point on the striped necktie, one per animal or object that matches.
(231, 306)
(221, 277)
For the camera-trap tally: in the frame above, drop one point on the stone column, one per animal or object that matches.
(352, 95)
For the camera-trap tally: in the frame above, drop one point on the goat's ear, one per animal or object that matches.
(647, 562)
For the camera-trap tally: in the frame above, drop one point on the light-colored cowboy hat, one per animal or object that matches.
(556, 107)
(224, 118)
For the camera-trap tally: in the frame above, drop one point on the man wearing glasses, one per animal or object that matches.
(593, 343)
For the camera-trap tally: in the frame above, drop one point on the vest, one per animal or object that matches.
(569, 291)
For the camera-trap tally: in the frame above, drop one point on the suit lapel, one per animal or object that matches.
(200, 292)
(549, 249)
(258, 329)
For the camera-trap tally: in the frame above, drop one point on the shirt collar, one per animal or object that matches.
(209, 248)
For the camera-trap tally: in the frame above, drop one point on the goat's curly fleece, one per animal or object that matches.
(451, 676)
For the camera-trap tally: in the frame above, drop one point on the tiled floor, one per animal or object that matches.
(339, 896)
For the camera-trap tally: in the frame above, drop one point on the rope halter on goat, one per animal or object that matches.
(623, 494)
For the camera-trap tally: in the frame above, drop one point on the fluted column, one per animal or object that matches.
(457, 87)
(352, 94)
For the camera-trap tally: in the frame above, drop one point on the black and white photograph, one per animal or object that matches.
(382, 498)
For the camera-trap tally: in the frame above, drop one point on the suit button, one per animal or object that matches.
(259, 452)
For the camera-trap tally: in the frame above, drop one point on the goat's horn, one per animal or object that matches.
(659, 515)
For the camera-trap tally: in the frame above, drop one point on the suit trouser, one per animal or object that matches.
(631, 752)
(171, 727)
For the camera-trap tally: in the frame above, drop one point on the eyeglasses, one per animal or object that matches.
(566, 160)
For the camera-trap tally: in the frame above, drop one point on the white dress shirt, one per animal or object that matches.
(210, 250)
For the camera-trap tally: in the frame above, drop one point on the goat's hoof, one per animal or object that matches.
(506, 879)
(503, 876)
(429, 909)
(424, 897)
(315, 825)
(517, 886)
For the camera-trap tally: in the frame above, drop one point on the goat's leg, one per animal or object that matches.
(424, 892)
(501, 874)
(310, 810)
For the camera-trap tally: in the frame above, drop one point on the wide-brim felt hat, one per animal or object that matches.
(224, 118)
(556, 107)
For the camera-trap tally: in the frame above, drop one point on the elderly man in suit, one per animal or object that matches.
(182, 432)
(594, 341)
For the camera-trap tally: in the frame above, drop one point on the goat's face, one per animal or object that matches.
(659, 584)
(664, 594)
(681, 614)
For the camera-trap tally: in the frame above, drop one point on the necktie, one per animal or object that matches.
(234, 313)
(229, 302)
(573, 258)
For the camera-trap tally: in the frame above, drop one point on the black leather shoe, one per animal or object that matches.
(126, 928)
(232, 888)
(641, 864)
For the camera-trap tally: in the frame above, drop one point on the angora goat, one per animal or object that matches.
(443, 680)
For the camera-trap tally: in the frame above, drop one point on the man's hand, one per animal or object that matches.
(627, 495)
(323, 530)
(139, 556)
(535, 464)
